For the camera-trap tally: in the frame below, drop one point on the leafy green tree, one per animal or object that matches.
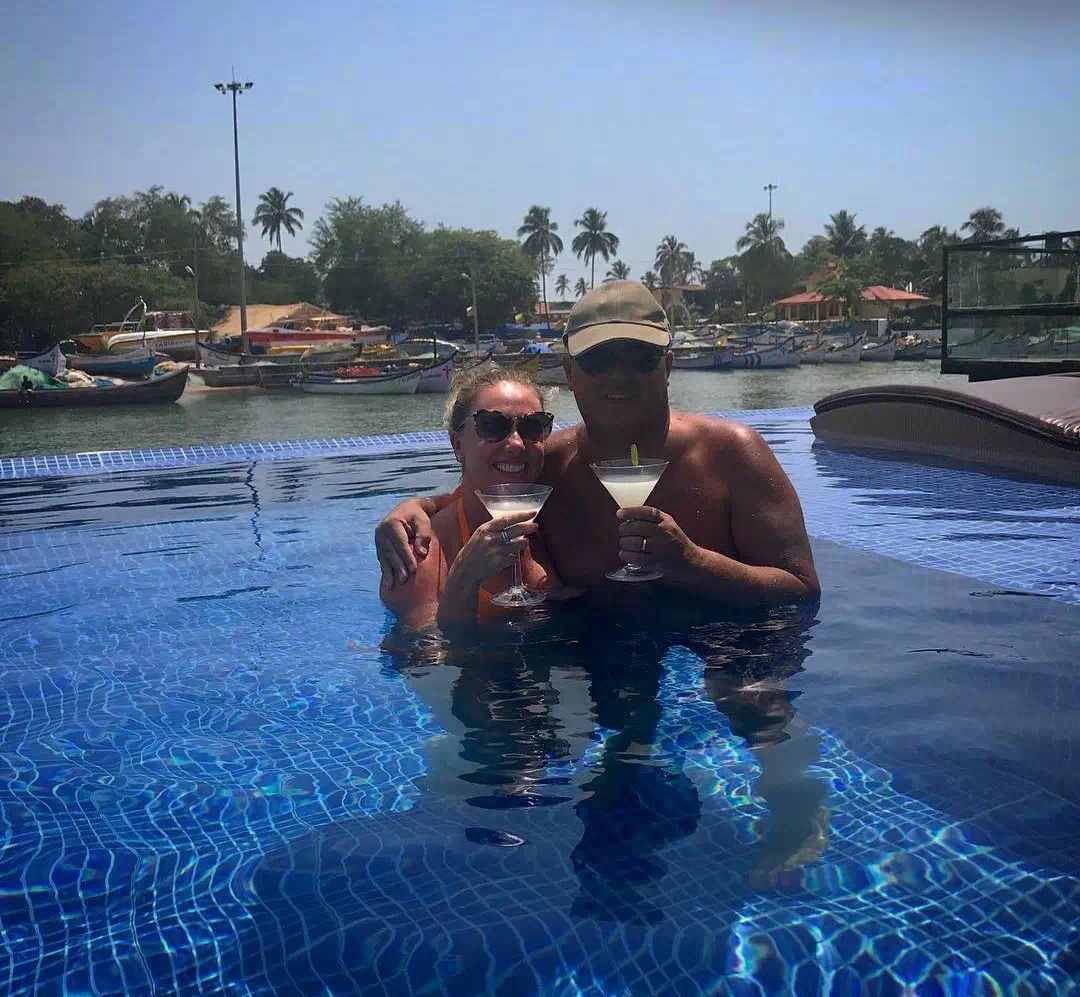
(722, 283)
(364, 255)
(581, 288)
(562, 286)
(503, 272)
(594, 239)
(649, 280)
(846, 238)
(274, 214)
(542, 242)
(618, 271)
(846, 280)
(41, 303)
(282, 279)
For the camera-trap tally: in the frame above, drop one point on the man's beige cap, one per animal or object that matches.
(618, 309)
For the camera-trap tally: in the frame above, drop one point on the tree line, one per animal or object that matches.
(60, 274)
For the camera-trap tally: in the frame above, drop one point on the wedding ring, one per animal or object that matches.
(644, 542)
(506, 538)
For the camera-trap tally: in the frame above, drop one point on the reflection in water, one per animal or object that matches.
(592, 713)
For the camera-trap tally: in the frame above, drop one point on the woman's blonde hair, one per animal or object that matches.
(468, 383)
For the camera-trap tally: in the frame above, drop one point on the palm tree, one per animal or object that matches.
(983, 224)
(562, 286)
(541, 242)
(650, 281)
(179, 201)
(274, 214)
(581, 288)
(763, 234)
(618, 271)
(594, 240)
(671, 261)
(846, 239)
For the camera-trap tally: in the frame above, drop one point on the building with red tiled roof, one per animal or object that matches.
(877, 301)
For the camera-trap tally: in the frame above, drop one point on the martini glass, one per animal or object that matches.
(506, 500)
(630, 484)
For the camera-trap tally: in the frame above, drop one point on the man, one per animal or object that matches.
(725, 522)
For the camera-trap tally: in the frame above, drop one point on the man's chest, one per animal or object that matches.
(581, 530)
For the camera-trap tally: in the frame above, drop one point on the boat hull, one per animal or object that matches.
(917, 351)
(722, 358)
(138, 362)
(435, 380)
(880, 352)
(852, 353)
(167, 388)
(177, 344)
(773, 358)
(51, 362)
(401, 384)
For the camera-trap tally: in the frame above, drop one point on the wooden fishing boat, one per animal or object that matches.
(376, 384)
(844, 352)
(880, 352)
(813, 354)
(708, 358)
(138, 362)
(772, 357)
(51, 361)
(911, 348)
(166, 388)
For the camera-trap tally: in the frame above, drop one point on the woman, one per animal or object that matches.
(497, 427)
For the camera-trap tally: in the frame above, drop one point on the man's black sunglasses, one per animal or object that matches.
(497, 426)
(638, 357)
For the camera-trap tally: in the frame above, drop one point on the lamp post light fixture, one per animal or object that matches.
(475, 317)
(234, 88)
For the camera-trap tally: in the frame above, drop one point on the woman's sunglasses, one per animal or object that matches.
(638, 357)
(496, 426)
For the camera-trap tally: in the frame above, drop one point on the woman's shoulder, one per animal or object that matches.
(422, 588)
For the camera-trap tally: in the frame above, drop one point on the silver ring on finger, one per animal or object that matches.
(506, 537)
(644, 544)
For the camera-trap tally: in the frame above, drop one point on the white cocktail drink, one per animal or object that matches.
(509, 505)
(509, 500)
(628, 493)
(630, 484)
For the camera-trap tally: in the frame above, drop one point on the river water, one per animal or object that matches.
(207, 415)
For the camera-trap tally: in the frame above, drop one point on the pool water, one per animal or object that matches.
(225, 771)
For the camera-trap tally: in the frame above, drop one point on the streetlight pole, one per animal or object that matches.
(770, 187)
(475, 317)
(234, 88)
(195, 304)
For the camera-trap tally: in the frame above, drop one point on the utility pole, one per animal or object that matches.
(234, 88)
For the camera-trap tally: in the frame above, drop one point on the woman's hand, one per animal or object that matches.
(487, 552)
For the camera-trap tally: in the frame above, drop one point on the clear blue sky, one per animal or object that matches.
(669, 116)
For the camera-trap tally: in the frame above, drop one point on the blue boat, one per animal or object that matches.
(137, 362)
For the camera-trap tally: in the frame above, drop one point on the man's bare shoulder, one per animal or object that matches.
(717, 437)
(560, 448)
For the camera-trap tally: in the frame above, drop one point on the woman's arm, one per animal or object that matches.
(416, 601)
